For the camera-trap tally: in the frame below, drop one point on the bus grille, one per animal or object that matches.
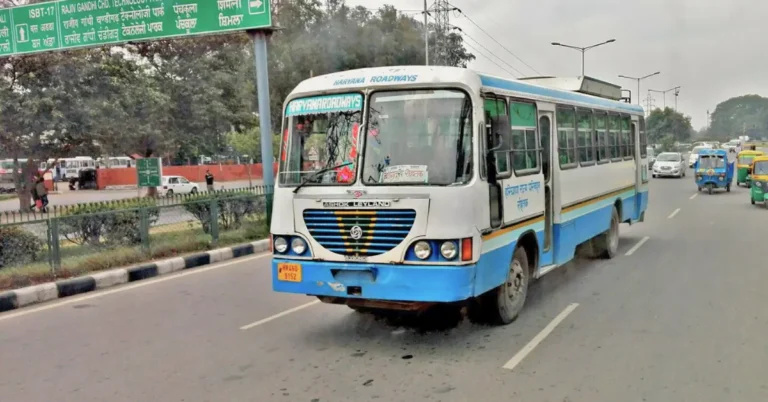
(378, 231)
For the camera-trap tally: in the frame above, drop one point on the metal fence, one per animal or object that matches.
(93, 236)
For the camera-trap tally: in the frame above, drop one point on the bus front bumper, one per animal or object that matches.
(387, 282)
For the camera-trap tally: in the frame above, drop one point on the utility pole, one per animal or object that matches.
(426, 34)
(664, 93)
(441, 10)
(584, 50)
(677, 93)
(638, 79)
(649, 104)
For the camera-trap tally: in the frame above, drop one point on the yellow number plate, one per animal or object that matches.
(288, 272)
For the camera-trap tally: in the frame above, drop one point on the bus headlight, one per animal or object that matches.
(422, 250)
(281, 245)
(448, 250)
(298, 246)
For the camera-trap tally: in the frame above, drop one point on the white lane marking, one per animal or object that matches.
(672, 215)
(516, 359)
(637, 246)
(278, 315)
(24, 311)
(694, 196)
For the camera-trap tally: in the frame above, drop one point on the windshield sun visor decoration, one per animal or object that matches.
(324, 104)
(320, 140)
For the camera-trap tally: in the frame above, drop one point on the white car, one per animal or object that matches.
(694, 156)
(669, 164)
(173, 185)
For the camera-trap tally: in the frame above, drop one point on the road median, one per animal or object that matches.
(18, 298)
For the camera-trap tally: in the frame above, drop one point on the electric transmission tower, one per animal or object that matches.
(441, 11)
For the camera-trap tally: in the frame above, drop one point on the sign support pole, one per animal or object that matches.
(265, 118)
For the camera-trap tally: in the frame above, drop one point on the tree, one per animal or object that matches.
(249, 143)
(746, 114)
(187, 97)
(315, 41)
(668, 122)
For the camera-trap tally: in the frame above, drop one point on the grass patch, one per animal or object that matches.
(81, 260)
(5, 197)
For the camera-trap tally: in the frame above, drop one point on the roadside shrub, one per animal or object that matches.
(17, 246)
(234, 208)
(107, 224)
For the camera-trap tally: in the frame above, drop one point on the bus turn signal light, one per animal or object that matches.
(466, 249)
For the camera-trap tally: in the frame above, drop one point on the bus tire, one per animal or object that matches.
(502, 305)
(606, 244)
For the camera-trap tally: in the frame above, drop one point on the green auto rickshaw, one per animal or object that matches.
(759, 191)
(743, 166)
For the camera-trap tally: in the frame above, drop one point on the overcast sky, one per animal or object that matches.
(714, 50)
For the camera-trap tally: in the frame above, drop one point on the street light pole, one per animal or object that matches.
(583, 50)
(664, 93)
(638, 79)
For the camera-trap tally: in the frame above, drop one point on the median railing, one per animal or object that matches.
(71, 240)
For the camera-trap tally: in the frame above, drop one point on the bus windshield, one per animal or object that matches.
(321, 132)
(420, 137)
(711, 162)
(761, 168)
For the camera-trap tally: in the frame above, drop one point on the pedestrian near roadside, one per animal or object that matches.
(209, 180)
(35, 197)
(42, 194)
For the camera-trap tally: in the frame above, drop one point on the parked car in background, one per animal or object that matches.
(669, 164)
(173, 185)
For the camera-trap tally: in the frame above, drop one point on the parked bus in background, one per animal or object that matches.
(443, 185)
(71, 167)
(116, 162)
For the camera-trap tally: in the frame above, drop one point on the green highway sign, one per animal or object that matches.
(70, 24)
(150, 172)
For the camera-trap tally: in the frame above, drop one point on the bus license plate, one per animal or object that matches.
(288, 272)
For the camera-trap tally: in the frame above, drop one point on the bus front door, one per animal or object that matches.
(545, 138)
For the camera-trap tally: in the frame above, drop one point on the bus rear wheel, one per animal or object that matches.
(502, 305)
(606, 245)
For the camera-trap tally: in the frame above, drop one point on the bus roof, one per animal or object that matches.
(419, 75)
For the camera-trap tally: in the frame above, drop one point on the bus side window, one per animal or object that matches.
(627, 138)
(586, 140)
(566, 137)
(525, 151)
(614, 137)
(603, 142)
(497, 124)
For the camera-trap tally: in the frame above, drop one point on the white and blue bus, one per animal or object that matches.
(402, 187)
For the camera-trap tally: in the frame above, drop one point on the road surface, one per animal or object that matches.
(679, 315)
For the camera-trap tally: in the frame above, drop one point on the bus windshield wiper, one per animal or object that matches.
(313, 175)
